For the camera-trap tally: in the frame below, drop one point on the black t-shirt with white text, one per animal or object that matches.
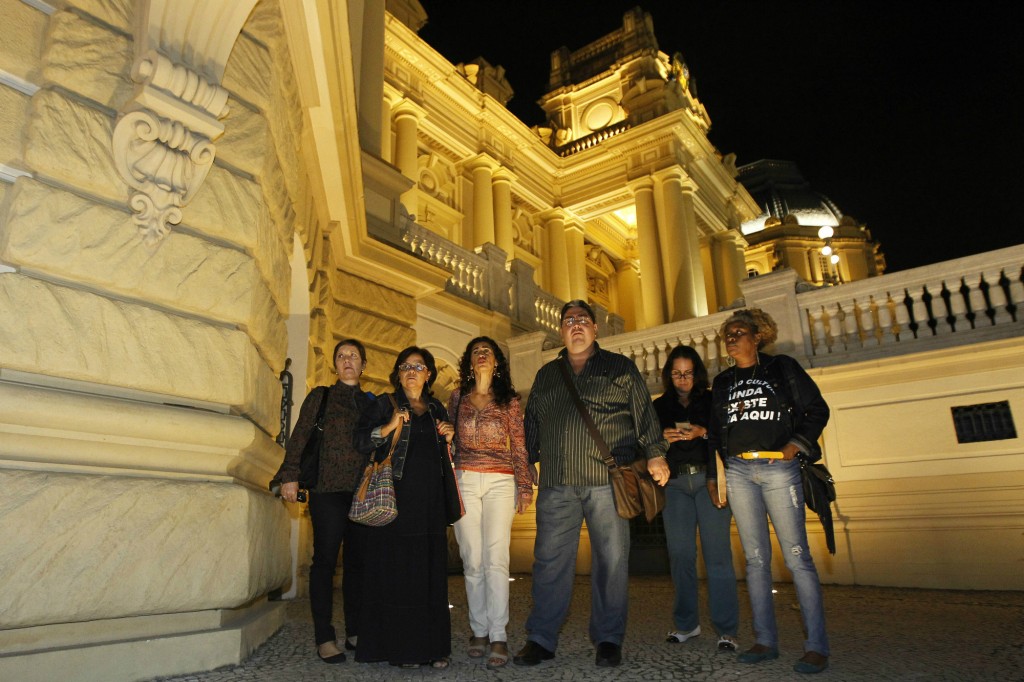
(754, 414)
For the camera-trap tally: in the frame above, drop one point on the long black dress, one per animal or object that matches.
(405, 617)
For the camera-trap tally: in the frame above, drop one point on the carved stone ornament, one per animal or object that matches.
(162, 143)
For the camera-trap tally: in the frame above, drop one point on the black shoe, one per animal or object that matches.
(336, 658)
(532, 654)
(609, 655)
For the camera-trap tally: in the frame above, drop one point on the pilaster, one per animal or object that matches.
(501, 182)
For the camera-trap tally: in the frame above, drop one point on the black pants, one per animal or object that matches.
(328, 513)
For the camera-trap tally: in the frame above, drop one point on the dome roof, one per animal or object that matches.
(780, 190)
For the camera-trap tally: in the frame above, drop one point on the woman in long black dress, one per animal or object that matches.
(404, 618)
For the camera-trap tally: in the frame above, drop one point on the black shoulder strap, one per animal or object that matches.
(323, 408)
(587, 419)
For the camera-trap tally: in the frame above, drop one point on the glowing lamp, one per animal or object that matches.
(825, 232)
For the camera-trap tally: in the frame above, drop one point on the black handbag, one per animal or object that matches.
(819, 494)
(309, 464)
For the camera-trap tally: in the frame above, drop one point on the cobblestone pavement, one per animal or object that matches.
(876, 634)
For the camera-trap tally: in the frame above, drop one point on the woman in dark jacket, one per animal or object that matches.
(405, 618)
(340, 466)
(684, 410)
(765, 411)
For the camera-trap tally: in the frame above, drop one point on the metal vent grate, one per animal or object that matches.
(988, 421)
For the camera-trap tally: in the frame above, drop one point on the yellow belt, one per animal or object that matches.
(762, 454)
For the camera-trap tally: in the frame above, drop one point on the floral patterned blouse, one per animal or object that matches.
(491, 440)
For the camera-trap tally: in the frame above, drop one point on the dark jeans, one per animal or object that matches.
(328, 513)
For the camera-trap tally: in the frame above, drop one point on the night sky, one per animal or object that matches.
(907, 114)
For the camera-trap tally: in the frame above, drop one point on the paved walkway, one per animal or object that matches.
(876, 634)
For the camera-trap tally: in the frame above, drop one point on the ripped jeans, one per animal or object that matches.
(757, 490)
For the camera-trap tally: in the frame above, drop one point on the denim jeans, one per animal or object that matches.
(561, 511)
(484, 534)
(687, 507)
(757, 490)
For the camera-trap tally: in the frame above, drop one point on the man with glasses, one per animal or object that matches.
(574, 484)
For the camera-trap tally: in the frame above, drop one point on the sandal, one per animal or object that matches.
(440, 663)
(477, 647)
(498, 656)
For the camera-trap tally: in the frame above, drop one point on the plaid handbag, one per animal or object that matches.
(374, 503)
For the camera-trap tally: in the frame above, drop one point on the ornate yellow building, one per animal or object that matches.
(802, 229)
(192, 192)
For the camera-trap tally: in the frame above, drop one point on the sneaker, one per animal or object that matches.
(677, 637)
(727, 643)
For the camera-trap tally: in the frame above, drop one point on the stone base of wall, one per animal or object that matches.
(138, 648)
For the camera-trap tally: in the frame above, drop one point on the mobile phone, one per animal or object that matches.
(684, 426)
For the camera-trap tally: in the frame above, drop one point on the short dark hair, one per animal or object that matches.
(349, 342)
(700, 372)
(501, 383)
(578, 303)
(428, 360)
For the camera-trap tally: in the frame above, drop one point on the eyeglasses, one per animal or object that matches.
(354, 357)
(682, 375)
(482, 351)
(581, 320)
(406, 367)
(736, 334)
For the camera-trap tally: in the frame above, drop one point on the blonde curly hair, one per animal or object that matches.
(758, 321)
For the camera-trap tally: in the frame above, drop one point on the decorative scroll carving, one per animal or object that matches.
(162, 143)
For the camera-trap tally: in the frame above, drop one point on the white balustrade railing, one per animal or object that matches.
(468, 270)
(959, 301)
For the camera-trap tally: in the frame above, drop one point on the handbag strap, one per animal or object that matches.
(587, 419)
(319, 423)
(396, 435)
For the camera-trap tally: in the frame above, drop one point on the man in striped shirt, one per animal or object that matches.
(574, 484)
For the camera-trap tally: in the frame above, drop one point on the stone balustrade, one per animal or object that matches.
(970, 299)
(958, 302)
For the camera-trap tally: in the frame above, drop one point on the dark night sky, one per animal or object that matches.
(905, 113)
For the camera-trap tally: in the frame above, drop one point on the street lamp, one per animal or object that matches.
(825, 233)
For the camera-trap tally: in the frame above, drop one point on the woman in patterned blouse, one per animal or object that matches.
(496, 482)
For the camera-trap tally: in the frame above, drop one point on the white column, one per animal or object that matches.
(501, 185)
(482, 168)
(407, 118)
(680, 243)
(577, 260)
(651, 281)
(627, 281)
(556, 265)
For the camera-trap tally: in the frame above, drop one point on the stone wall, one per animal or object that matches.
(139, 391)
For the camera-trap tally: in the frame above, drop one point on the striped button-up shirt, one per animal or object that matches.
(616, 397)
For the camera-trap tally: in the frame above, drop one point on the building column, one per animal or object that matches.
(556, 264)
(627, 281)
(482, 168)
(647, 244)
(680, 244)
(390, 97)
(577, 260)
(370, 80)
(501, 186)
(407, 119)
(727, 267)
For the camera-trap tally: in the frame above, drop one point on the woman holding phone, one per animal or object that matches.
(684, 410)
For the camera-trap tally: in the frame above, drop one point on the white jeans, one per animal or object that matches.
(484, 534)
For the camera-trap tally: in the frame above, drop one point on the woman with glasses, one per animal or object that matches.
(766, 411)
(340, 467)
(404, 618)
(496, 481)
(684, 410)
